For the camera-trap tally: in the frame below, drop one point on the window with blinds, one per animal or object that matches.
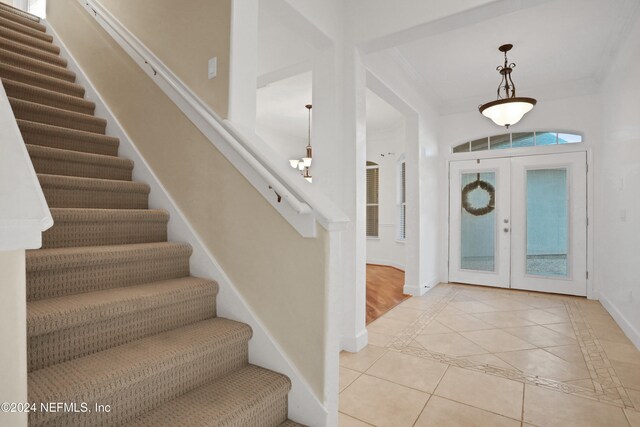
(402, 201)
(373, 206)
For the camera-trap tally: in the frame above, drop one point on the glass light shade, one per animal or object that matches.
(309, 178)
(294, 163)
(301, 166)
(507, 112)
(306, 161)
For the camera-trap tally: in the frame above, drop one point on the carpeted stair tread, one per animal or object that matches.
(84, 257)
(68, 139)
(47, 97)
(36, 65)
(19, 12)
(249, 397)
(32, 52)
(23, 20)
(55, 161)
(31, 111)
(18, 37)
(95, 227)
(143, 374)
(54, 314)
(94, 193)
(65, 328)
(65, 271)
(40, 80)
(24, 29)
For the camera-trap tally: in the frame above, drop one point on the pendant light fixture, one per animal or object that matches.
(508, 109)
(304, 164)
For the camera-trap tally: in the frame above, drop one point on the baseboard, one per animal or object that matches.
(304, 406)
(356, 343)
(386, 263)
(418, 291)
(629, 330)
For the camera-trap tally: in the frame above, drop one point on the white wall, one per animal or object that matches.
(386, 249)
(580, 114)
(617, 180)
(281, 116)
(390, 82)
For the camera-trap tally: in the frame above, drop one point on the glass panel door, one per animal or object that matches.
(549, 212)
(547, 222)
(520, 222)
(478, 221)
(479, 244)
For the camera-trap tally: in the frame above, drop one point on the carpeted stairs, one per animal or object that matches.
(113, 316)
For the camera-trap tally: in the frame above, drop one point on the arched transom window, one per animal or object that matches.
(517, 140)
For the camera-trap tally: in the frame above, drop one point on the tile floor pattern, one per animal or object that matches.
(473, 356)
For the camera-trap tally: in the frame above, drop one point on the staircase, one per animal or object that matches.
(113, 316)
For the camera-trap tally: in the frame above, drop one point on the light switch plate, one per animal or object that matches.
(213, 67)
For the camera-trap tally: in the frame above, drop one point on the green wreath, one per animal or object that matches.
(483, 185)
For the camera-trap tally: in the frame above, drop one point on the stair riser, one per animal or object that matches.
(100, 233)
(32, 52)
(27, 31)
(39, 80)
(28, 41)
(68, 281)
(86, 170)
(61, 346)
(64, 142)
(150, 392)
(36, 66)
(22, 20)
(58, 118)
(273, 411)
(75, 198)
(44, 97)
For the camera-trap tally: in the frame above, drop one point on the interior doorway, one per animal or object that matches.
(520, 222)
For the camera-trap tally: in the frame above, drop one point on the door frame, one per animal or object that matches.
(533, 151)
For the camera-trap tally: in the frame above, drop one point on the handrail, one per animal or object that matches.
(224, 128)
(24, 213)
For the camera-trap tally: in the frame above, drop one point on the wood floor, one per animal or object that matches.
(384, 290)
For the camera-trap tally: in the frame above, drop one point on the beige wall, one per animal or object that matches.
(184, 35)
(13, 335)
(280, 274)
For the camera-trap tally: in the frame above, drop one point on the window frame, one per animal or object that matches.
(372, 166)
(401, 200)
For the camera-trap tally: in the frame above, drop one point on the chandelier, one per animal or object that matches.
(508, 109)
(304, 164)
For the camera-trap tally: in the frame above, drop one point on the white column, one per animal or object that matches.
(13, 335)
(424, 206)
(243, 67)
(339, 119)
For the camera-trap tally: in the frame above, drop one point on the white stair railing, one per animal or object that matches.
(301, 206)
(24, 213)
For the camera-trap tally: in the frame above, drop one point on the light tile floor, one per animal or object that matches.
(474, 356)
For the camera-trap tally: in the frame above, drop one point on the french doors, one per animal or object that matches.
(520, 222)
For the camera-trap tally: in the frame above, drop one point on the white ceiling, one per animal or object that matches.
(281, 108)
(561, 48)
